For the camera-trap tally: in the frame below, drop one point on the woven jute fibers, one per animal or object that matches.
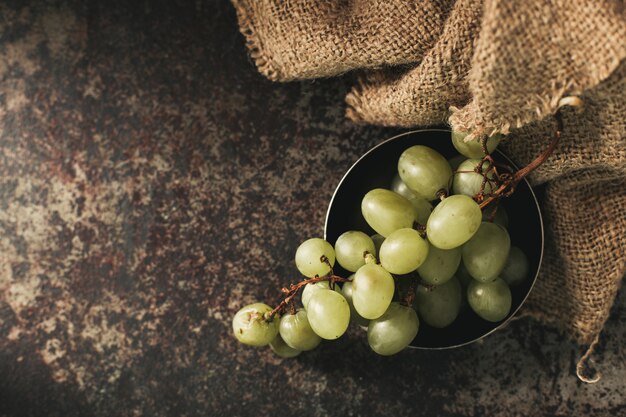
(423, 94)
(307, 39)
(584, 209)
(485, 67)
(585, 254)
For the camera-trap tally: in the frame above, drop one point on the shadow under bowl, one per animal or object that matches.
(377, 168)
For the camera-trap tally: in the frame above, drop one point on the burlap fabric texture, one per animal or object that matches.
(485, 67)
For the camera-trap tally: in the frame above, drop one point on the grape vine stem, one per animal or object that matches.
(409, 297)
(508, 185)
(294, 288)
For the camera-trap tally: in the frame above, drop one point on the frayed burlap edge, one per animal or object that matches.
(254, 42)
(355, 102)
(470, 119)
(478, 119)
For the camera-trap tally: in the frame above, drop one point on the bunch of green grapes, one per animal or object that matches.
(430, 229)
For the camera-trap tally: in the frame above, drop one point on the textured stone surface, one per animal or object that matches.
(151, 183)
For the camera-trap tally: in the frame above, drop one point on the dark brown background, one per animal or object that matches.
(151, 183)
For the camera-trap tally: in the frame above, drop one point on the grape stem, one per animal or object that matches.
(410, 294)
(294, 288)
(421, 229)
(492, 215)
(510, 181)
(483, 144)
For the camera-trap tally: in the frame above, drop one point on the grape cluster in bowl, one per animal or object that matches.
(424, 258)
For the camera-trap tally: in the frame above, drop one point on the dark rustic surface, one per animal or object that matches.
(151, 183)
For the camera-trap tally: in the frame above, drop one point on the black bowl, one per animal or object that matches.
(377, 168)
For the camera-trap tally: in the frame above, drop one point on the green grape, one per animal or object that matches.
(372, 291)
(378, 241)
(329, 314)
(455, 161)
(517, 267)
(422, 207)
(439, 306)
(469, 183)
(403, 251)
(386, 211)
(251, 327)
(490, 300)
(310, 289)
(309, 257)
(297, 332)
(394, 330)
(473, 148)
(464, 277)
(282, 349)
(350, 249)
(453, 222)
(424, 171)
(440, 265)
(398, 186)
(500, 218)
(347, 293)
(485, 254)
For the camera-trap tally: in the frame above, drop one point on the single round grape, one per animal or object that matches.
(329, 314)
(424, 171)
(422, 207)
(403, 251)
(310, 289)
(378, 241)
(453, 222)
(350, 249)
(309, 257)
(282, 349)
(517, 268)
(490, 300)
(455, 161)
(485, 254)
(372, 291)
(469, 183)
(440, 265)
(398, 186)
(393, 331)
(297, 332)
(346, 290)
(251, 327)
(464, 277)
(439, 305)
(500, 217)
(386, 211)
(473, 148)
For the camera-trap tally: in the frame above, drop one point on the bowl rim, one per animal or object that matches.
(532, 192)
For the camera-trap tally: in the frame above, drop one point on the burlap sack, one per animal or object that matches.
(486, 67)
(291, 40)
